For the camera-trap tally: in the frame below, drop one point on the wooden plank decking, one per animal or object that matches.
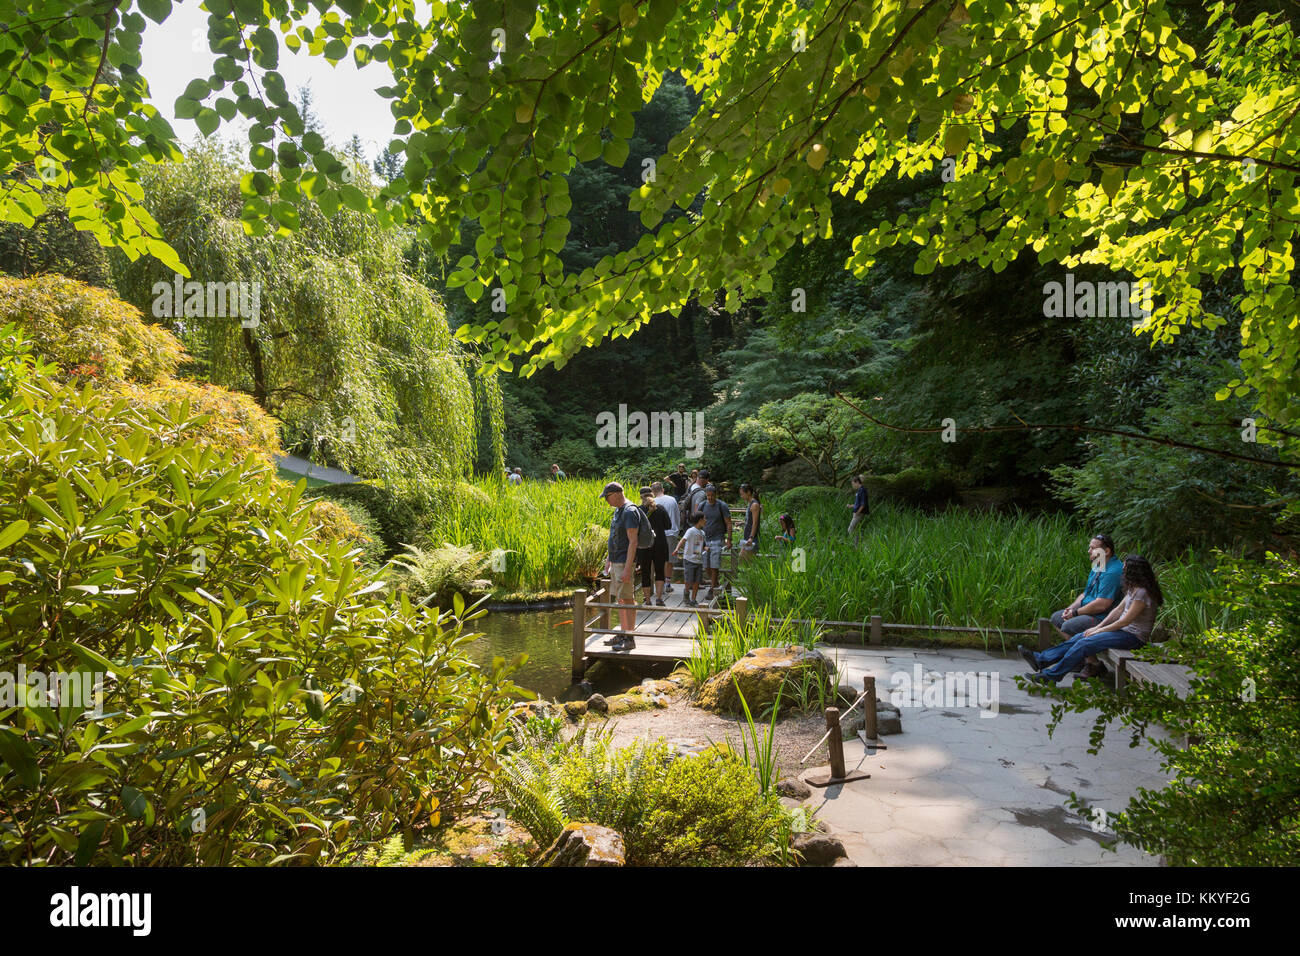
(662, 636)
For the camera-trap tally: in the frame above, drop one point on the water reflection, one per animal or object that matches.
(547, 637)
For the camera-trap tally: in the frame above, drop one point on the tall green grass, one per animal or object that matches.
(553, 534)
(974, 569)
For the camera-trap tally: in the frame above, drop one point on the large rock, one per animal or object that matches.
(478, 841)
(793, 788)
(888, 721)
(585, 844)
(597, 704)
(818, 849)
(760, 674)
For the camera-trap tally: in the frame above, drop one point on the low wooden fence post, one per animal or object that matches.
(579, 632)
(836, 743)
(877, 626)
(742, 611)
(1045, 634)
(869, 727)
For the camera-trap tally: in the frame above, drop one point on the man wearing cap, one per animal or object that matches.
(696, 494)
(619, 563)
(717, 529)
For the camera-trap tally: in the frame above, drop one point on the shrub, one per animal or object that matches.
(709, 811)
(918, 487)
(395, 517)
(349, 523)
(806, 498)
(705, 809)
(263, 700)
(88, 331)
(229, 421)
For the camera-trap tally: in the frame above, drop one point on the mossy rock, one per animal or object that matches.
(629, 703)
(575, 708)
(478, 841)
(759, 675)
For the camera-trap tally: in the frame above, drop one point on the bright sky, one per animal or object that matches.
(343, 96)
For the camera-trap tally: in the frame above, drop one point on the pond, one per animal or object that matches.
(547, 637)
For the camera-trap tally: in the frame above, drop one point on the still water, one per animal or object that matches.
(547, 637)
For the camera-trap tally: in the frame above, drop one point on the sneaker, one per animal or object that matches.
(1030, 657)
(616, 639)
(668, 589)
(625, 644)
(690, 603)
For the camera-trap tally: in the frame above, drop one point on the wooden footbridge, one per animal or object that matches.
(662, 634)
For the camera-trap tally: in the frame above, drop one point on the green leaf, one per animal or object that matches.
(12, 534)
(134, 802)
(18, 754)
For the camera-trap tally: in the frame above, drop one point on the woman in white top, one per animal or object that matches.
(1128, 625)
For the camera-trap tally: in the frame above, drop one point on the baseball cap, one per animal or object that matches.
(610, 488)
(708, 488)
(646, 490)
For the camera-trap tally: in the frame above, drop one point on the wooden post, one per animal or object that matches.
(836, 743)
(579, 632)
(877, 623)
(735, 558)
(742, 611)
(1045, 633)
(869, 707)
(1121, 675)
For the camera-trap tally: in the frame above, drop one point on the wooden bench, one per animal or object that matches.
(1127, 667)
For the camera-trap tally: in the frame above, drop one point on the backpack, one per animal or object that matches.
(645, 535)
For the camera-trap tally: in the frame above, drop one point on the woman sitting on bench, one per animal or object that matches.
(1128, 625)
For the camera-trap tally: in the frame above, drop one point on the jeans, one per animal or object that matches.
(1074, 625)
(1068, 655)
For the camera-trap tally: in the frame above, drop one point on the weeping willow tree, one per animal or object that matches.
(322, 326)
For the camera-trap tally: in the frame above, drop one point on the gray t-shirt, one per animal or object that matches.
(715, 523)
(1141, 625)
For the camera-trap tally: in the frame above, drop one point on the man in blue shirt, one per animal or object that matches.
(623, 527)
(1099, 595)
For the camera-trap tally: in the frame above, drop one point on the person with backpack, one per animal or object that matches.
(627, 526)
(717, 533)
(652, 559)
(668, 503)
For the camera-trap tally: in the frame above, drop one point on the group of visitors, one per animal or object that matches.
(691, 524)
(516, 475)
(1116, 609)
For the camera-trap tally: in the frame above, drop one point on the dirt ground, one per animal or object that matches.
(685, 725)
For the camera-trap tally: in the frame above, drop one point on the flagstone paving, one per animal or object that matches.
(958, 788)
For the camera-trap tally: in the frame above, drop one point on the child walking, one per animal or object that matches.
(692, 548)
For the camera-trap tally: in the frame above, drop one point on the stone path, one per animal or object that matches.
(959, 788)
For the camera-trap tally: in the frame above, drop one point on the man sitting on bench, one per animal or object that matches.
(1099, 594)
